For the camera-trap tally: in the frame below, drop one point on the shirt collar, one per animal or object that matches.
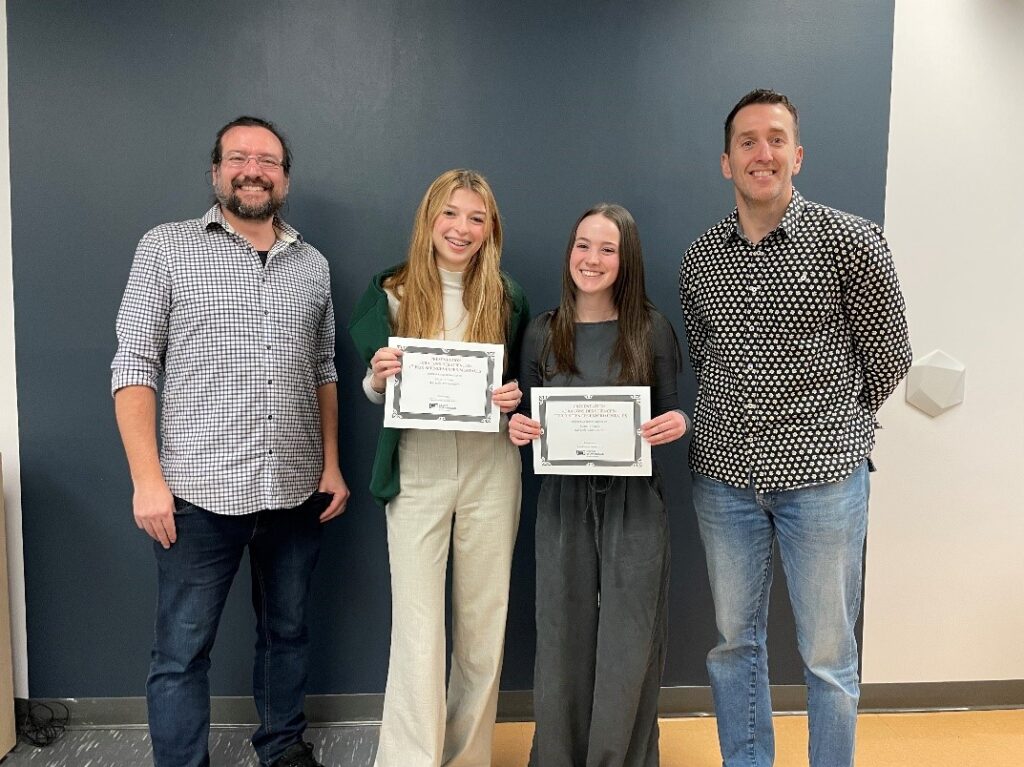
(794, 212)
(790, 219)
(215, 216)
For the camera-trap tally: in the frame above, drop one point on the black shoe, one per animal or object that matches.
(297, 755)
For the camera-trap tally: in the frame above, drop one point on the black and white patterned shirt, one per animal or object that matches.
(796, 341)
(242, 348)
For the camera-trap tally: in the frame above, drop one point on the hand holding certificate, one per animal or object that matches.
(592, 430)
(444, 385)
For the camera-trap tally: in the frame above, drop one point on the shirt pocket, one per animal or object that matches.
(803, 299)
(298, 312)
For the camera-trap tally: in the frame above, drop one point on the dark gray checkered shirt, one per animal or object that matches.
(796, 341)
(242, 349)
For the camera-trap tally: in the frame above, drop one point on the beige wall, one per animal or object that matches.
(945, 571)
(9, 392)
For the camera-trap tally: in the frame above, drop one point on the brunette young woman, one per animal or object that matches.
(441, 486)
(602, 542)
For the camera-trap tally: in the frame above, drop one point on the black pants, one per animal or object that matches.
(602, 586)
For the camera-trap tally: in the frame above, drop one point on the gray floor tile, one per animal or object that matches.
(340, 746)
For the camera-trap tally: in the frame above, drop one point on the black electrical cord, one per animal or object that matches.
(44, 723)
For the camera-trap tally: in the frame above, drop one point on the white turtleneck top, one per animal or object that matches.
(454, 314)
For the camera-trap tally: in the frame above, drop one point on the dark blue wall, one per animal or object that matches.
(113, 110)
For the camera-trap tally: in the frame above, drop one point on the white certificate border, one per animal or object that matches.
(396, 418)
(641, 463)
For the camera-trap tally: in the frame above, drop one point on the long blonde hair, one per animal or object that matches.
(418, 284)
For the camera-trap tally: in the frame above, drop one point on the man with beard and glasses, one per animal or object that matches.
(234, 311)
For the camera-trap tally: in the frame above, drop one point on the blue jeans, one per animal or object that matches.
(194, 577)
(820, 530)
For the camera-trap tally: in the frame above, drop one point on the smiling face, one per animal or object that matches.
(250, 190)
(459, 230)
(763, 156)
(594, 260)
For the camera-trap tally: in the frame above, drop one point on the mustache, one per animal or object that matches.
(263, 183)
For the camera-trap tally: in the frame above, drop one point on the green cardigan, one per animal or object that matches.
(370, 328)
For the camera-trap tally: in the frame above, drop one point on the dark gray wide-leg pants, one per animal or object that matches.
(602, 585)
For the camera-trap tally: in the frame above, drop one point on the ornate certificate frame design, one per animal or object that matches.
(638, 397)
(399, 417)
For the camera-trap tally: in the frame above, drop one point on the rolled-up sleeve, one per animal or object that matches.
(325, 371)
(142, 320)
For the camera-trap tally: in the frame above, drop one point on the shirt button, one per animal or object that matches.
(270, 381)
(270, 452)
(268, 346)
(270, 418)
(266, 312)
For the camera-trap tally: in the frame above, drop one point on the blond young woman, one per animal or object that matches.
(441, 486)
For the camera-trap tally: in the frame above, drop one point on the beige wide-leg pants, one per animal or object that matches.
(462, 487)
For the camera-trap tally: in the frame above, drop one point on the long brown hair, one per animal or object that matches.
(418, 284)
(632, 350)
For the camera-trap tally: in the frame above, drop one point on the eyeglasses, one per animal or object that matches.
(266, 162)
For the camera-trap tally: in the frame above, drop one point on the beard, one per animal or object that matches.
(260, 212)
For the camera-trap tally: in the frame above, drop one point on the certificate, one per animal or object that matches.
(444, 385)
(591, 430)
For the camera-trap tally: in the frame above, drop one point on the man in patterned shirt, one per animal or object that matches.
(797, 336)
(234, 311)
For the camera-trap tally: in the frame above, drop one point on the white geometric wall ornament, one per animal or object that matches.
(935, 383)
